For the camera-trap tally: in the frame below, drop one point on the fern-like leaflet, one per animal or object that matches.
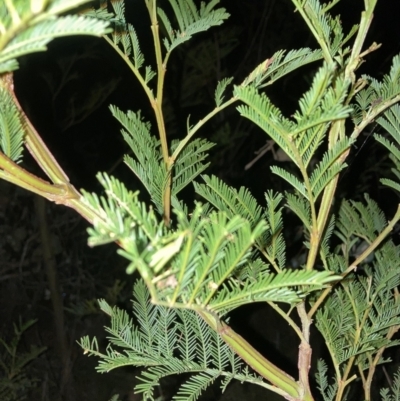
(166, 342)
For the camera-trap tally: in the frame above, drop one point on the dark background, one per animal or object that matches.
(66, 92)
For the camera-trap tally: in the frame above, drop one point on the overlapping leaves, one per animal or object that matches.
(206, 261)
(369, 313)
(147, 163)
(376, 97)
(301, 137)
(167, 342)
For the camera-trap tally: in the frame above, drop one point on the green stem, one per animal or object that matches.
(337, 130)
(60, 190)
(135, 71)
(318, 35)
(366, 19)
(255, 360)
(157, 106)
(289, 320)
(199, 124)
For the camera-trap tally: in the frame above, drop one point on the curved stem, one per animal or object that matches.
(199, 124)
(60, 190)
(254, 359)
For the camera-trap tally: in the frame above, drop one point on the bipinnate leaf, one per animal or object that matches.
(329, 166)
(328, 30)
(369, 312)
(147, 164)
(259, 109)
(359, 221)
(194, 266)
(166, 342)
(229, 200)
(123, 37)
(378, 94)
(328, 391)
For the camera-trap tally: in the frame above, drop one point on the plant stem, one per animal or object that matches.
(199, 124)
(157, 106)
(306, 15)
(285, 316)
(60, 191)
(366, 19)
(338, 128)
(257, 361)
(304, 357)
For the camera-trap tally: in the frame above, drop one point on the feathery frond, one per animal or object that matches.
(259, 109)
(124, 35)
(292, 180)
(189, 163)
(14, 358)
(326, 29)
(391, 123)
(328, 167)
(279, 65)
(148, 166)
(301, 208)
(392, 394)
(328, 391)
(166, 342)
(274, 243)
(219, 91)
(11, 129)
(322, 103)
(369, 309)
(241, 202)
(370, 100)
(285, 286)
(193, 266)
(359, 222)
(191, 20)
(123, 218)
(325, 249)
(230, 200)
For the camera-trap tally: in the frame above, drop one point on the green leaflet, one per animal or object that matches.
(30, 30)
(166, 342)
(191, 20)
(11, 129)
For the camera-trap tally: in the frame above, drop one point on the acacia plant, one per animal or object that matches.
(199, 261)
